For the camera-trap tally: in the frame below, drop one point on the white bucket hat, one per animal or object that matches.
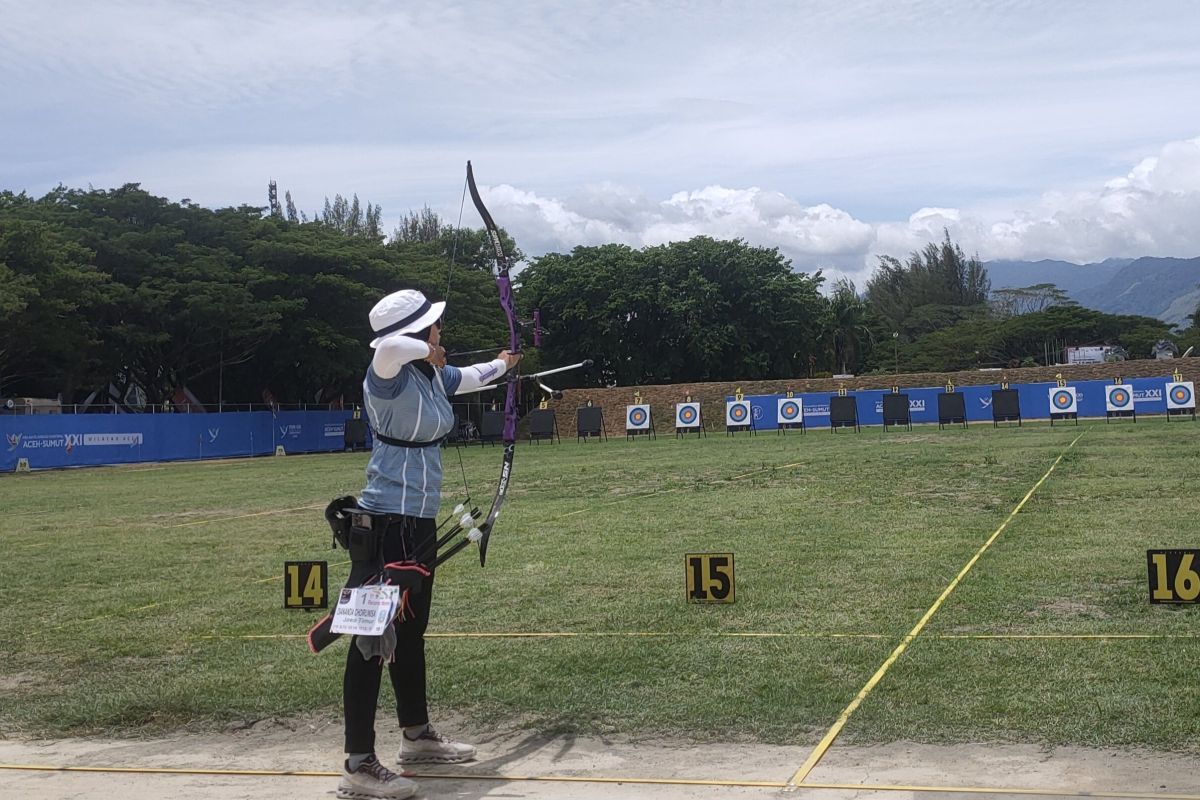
(405, 311)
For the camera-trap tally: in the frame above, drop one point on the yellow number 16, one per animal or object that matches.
(1186, 586)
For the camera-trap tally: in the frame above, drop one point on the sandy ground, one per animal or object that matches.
(846, 771)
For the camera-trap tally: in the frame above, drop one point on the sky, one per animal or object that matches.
(836, 131)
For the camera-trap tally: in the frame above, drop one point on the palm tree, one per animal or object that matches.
(847, 329)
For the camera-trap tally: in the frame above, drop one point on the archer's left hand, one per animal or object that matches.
(509, 359)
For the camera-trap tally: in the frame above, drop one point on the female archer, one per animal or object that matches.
(406, 394)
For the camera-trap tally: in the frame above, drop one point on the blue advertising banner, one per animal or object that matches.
(75, 440)
(1148, 395)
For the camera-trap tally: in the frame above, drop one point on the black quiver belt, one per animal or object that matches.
(357, 530)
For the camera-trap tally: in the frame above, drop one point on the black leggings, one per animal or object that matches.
(360, 685)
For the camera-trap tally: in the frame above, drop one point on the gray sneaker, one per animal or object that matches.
(433, 747)
(373, 781)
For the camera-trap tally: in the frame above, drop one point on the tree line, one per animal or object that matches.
(247, 304)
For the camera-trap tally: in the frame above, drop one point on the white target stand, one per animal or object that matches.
(739, 416)
(789, 414)
(689, 418)
(1064, 402)
(639, 419)
(1181, 398)
(1118, 402)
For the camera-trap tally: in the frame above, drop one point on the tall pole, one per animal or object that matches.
(896, 349)
(221, 376)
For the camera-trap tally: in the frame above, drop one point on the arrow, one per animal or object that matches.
(534, 376)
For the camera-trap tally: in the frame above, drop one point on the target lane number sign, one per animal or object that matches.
(637, 418)
(709, 577)
(1174, 576)
(790, 410)
(306, 584)
(1118, 398)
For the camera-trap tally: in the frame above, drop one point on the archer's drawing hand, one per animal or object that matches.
(437, 355)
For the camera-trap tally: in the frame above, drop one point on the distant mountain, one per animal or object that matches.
(1166, 288)
(1071, 278)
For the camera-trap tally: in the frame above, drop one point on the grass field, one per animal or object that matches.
(148, 598)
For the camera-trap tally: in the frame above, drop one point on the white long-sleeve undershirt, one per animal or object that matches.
(477, 375)
(396, 351)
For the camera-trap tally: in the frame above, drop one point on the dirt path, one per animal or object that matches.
(846, 771)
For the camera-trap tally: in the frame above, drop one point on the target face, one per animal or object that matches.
(1119, 398)
(1181, 395)
(737, 412)
(789, 411)
(1062, 400)
(637, 418)
(687, 415)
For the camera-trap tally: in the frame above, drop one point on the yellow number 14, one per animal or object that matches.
(312, 586)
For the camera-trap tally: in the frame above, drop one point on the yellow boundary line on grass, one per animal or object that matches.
(826, 742)
(609, 780)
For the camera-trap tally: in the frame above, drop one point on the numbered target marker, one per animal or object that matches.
(790, 410)
(709, 577)
(306, 584)
(737, 412)
(1174, 575)
(637, 417)
(687, 415)
(1063, 400)
(1118, 398)
(1181, 395)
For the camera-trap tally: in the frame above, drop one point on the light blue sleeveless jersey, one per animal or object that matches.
(408, 480)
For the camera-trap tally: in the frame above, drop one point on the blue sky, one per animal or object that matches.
(835, 131)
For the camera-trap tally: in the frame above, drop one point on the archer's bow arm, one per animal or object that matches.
(476, 377)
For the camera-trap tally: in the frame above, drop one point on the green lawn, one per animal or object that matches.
(842, 543)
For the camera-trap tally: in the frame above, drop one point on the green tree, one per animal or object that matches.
(124, 287)
(937, 287)
(1027, 299)
(687, 311)
(49, 337)
(349, 217)
(1033, 337)
(418, 227)
(847, 328)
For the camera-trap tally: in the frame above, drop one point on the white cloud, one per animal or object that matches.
(834, 131)
(1150, 211)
